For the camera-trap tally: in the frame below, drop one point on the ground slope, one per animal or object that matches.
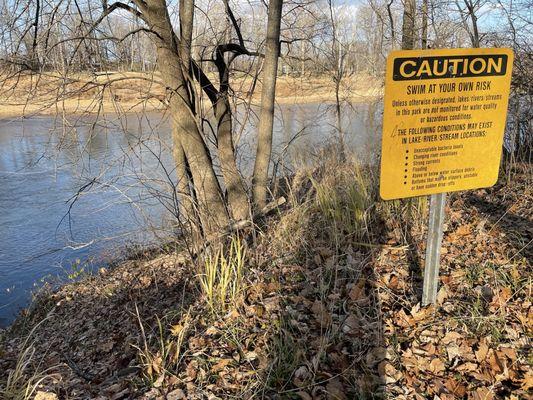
(330, 308)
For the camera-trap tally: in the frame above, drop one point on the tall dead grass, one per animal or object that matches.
(28, 374)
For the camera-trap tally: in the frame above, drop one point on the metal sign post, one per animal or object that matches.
(434, 240)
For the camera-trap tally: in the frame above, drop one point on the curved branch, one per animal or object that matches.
(107, 11)
(115, 6)
(110, 38)
(234, 22)
(205, 83)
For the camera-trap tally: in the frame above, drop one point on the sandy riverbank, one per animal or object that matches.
(47, 94)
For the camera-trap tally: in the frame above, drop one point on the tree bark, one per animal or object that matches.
(236, 191)
(424, 38)
(186, 195)
(408, 25)
(474, 36)
(237, 197)
(188, 212)
(186, 27)
(266, 121)
(212, 211)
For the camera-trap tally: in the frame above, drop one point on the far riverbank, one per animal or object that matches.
(120, 92)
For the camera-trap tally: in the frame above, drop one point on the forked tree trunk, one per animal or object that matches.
(266, 121)
(208, 194)
(474, 35)
(237, 198)
(207, 191)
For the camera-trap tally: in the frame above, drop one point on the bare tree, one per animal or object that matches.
(408, 25)
(469, 12)
(424, 35)
(212, 191)
(266, 122)
(338, 58)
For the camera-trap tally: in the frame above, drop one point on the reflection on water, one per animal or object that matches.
(81, 189)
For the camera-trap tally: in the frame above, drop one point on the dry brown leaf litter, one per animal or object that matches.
(323, 317)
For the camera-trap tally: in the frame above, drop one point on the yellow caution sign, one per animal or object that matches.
(444, 119)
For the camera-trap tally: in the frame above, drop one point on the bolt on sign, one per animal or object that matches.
(444, 119)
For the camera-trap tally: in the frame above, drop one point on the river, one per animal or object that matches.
(75, 193)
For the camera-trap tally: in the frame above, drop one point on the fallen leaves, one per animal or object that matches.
(221, 365)
(336, 390)
(358, 290)
(388, 373)
(482, 393)
(322, 314)
(326, 322)
(40, 395)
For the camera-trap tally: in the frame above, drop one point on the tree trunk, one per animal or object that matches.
(237, 197)
(266, 121)
(474, 36)
(236, 192)
(408, 25)
(186, 201)
(207, 191)
(425, 10)
(338, 111)
(213, 214)
(186, 28)
(337, 77)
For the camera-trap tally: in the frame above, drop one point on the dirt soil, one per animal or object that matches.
(324, 316)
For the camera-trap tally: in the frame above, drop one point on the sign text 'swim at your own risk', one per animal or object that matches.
(444, 119)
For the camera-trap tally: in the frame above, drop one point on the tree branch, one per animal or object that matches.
(107, 11)
(234, 22)
(205, 83)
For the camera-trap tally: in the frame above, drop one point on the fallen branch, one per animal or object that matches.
(234, 227)
(258, 215)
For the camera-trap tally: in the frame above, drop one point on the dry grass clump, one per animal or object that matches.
(344, 199)
(221, 278)
(162, 360)
(28, 374)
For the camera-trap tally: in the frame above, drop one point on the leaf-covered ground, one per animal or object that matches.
(330, 308)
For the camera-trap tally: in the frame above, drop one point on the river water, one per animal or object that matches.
(75, 192)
